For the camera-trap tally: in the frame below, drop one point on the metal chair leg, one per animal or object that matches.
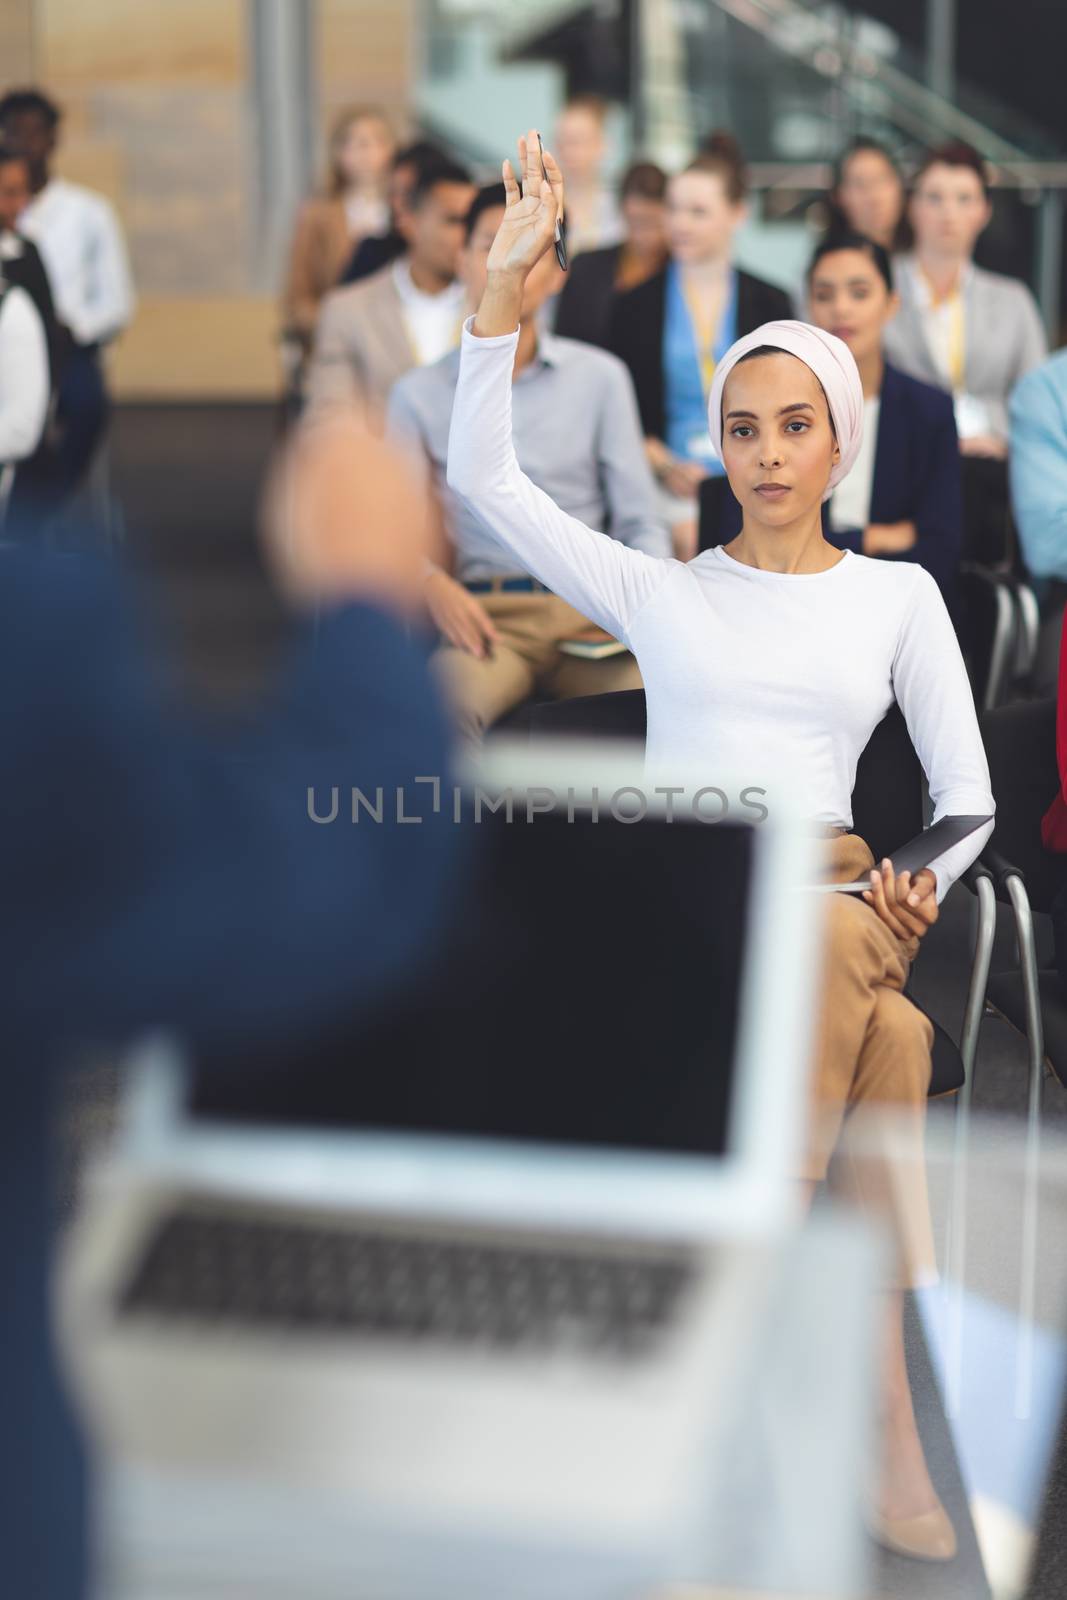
(956, 1240)
(1029, 623)
(1024, 933)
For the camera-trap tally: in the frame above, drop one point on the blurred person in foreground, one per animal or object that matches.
(868, 195)
(903, 500)
(407, 315)
(83, 249)
(741, 651)
(161, 870)
(578, 436)
(593, 218)
(332, 224)
(586, 300)
(673, 329)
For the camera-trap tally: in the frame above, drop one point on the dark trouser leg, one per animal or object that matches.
(82, 412)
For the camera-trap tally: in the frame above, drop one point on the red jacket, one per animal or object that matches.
(1054, 822)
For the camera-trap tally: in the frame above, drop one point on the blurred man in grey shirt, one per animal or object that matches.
(577, 436)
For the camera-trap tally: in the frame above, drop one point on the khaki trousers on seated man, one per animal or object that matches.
(517, 624)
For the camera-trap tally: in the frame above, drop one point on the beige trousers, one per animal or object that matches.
(871, 1068)
(526, 660)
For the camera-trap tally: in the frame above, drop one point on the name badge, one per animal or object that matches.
(699, 447)
(972, 416)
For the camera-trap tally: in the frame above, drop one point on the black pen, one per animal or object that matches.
(561, 248)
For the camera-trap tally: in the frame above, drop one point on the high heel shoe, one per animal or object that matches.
(927, 1537)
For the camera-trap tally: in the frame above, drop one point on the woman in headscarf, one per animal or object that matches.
(774, 641)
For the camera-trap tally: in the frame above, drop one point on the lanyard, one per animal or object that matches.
(956, 343)
(705, 332)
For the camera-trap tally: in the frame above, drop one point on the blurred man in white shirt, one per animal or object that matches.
(84, 253)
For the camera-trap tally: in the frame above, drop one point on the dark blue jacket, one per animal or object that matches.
(917, 478)
(159, 870)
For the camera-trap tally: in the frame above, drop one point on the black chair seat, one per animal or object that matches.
(946, 1075)
(620, 715)
(1005, 993)
(1020, 741)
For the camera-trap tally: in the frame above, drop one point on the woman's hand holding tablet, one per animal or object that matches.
(908, 906)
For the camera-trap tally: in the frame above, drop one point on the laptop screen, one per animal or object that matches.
(584, 991)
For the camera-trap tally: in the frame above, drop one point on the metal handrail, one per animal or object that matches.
(831, 51)
(800, 175)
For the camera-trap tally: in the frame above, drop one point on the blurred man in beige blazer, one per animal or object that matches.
(409, 314)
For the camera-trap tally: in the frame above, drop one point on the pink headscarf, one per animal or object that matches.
(833, 364)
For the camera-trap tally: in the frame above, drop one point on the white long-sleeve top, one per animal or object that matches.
(84, 253)
(24, 381)
(746, 672)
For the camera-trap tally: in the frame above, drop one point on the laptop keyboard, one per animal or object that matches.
(223, 1265)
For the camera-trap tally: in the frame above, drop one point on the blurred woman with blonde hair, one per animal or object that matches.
(331, 224)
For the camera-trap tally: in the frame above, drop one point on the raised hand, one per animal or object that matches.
(527, 231)
(529, 225)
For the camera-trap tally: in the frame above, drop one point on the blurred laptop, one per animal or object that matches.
(474, 1277)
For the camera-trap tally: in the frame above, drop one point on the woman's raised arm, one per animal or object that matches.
(606, 580)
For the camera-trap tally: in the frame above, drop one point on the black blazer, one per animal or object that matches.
(635, 333)
(586, 299)
(917, 478)
(27, 271)
(371, 255)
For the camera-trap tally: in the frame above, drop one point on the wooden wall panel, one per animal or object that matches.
(140, 41)
(199, 349)
(366, 53)
(16, 40)
(157, 115)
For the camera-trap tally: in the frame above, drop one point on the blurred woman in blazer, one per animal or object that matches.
(672, 329)
(971, 332)
(331, 225)
(902, 500)
(868, 195)
(597, 276)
